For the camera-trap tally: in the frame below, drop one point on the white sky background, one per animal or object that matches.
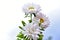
(11, 14)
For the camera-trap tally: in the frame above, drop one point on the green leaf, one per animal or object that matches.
(20, 35)
(40, 37)
(42, 28)
(30, 21)
(23, 23)
(21, 28)
(18, 38)
(26, 38)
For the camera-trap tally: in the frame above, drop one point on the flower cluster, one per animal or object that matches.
(38, 22)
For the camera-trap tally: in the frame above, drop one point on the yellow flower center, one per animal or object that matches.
(31, 8)
(41, 20)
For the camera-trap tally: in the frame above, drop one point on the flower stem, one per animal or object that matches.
(31, 17)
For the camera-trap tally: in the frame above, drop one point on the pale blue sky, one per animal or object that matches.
(54, 28)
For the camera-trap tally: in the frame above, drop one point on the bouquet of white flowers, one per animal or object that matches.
(38, 22)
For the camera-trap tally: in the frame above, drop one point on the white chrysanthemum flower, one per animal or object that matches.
(31, 31)
(31, 8)
(41, 18)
